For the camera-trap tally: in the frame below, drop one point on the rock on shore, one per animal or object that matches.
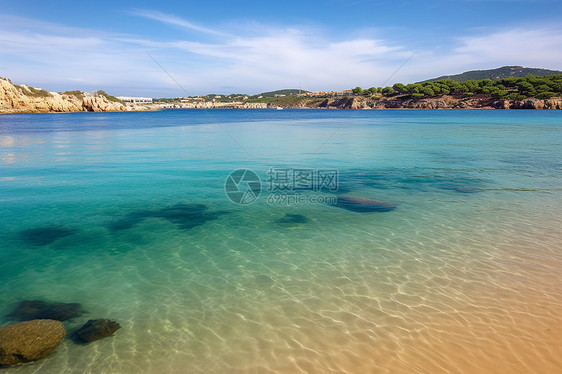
(29, 341)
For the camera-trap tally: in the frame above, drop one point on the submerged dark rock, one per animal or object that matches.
(40, 236)
(460, 188)
(411, 180)
(292, 220)
(363, 204)
(186, 216)
(37, 309)
(29, 341)
(95, 329)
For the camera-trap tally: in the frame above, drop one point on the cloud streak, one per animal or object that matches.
(172, 20)
(530, 47)
(541, 46)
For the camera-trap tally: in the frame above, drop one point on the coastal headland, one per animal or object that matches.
(529, 92)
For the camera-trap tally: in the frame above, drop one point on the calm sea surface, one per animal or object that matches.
(126, 214)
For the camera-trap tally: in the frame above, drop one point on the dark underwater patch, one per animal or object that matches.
(461, 188)
(185, 216)
(363, 204)
(37, 309)
(291, 220)
(416, 179)
(41, 236)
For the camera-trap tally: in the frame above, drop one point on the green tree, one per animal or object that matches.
(428, 91)
(498, 93)
(387, 91)
(546, 95)
(471, 86)
(543, 88)
(486, 82)
(414, 88)
(400, 88)
(525, 88)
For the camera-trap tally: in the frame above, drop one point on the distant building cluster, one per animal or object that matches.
(135, 100)
(322, 94)
(192, 99)
(327, 93)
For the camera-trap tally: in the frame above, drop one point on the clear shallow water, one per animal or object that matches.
(463, 276)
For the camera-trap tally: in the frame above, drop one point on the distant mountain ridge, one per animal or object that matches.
(503, 72)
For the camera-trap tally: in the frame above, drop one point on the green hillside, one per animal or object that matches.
(512, 88)
(286, 92)
(494, 74)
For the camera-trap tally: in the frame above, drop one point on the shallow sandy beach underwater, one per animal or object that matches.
(463, 276)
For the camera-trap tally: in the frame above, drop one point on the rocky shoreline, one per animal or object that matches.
(16, 99)
(25, 99)
(440, 102)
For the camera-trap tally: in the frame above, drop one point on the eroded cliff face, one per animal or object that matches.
(442, 102)
(24, 99)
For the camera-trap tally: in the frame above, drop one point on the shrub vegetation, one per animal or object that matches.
(33, 92)
(107, 96)
(78, 94)
(505, 88)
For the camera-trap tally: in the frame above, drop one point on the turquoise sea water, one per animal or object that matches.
(126, 214)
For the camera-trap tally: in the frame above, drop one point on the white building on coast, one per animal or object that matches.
(135, 100)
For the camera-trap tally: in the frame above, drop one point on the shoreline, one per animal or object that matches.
(8, 113)
(22, 99)
(101, 105)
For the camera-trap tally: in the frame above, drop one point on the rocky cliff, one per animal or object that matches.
(25, 99)
(441, 102)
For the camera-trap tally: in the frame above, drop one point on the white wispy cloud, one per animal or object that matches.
(541, 46)
(50, 55)
(530, 47)
(172, 20)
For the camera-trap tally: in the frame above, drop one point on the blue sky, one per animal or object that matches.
(132, 47)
